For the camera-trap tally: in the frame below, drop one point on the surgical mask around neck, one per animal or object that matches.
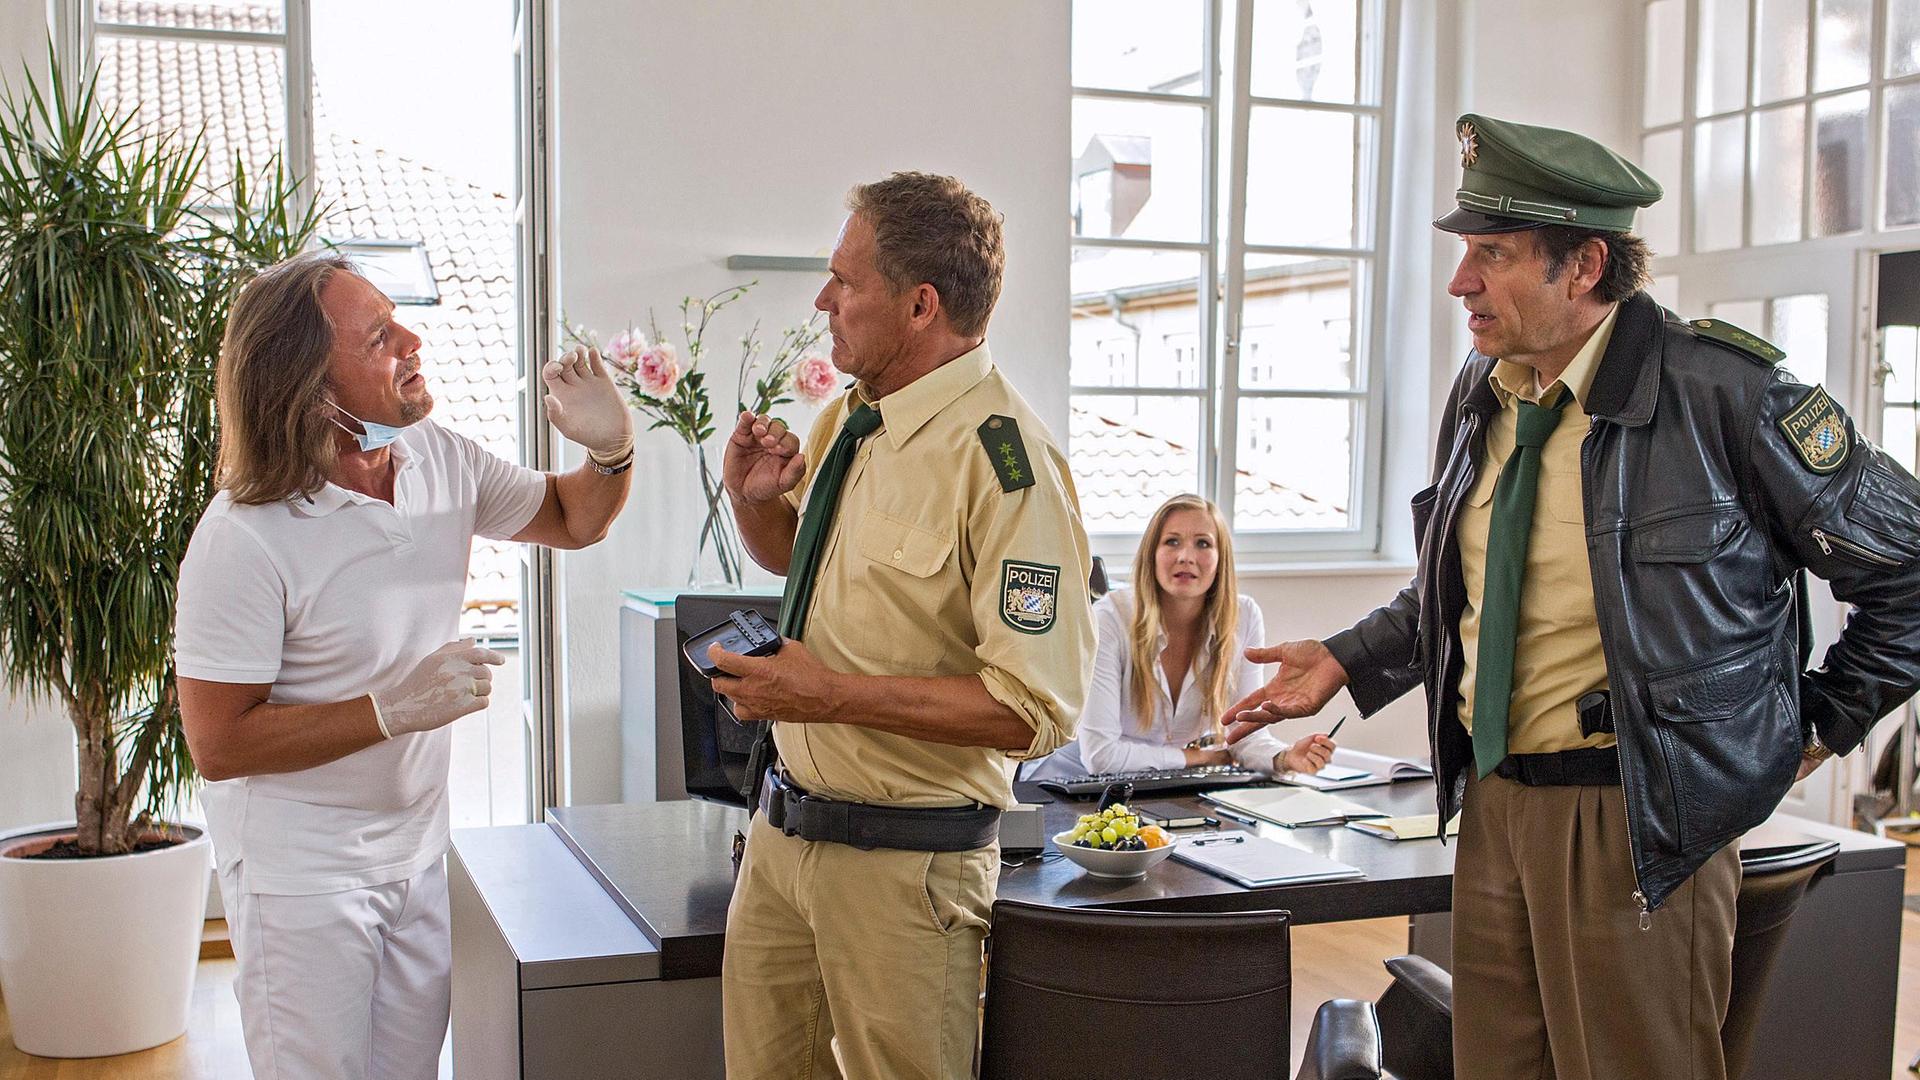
(374, 437)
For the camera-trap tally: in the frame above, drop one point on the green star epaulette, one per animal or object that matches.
(1817, 434)
(1001, 436)
(1728, 334)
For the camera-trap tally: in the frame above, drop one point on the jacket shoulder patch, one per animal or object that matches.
(1000, 435)
(1732, 336)
(1816, 432)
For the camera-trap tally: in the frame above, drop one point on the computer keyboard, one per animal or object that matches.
(1156, 781)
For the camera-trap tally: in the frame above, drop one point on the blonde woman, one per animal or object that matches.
(1172, 657)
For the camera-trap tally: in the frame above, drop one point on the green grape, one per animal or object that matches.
(1110, 834)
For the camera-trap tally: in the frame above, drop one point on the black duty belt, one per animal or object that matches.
(1568, 768)
(794, 811)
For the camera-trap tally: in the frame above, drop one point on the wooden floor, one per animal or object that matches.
(1336, 960)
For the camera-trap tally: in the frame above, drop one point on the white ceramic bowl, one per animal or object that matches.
(1107, 863)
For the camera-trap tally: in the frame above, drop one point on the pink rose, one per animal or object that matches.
(626, 349)
(659, 371)
(815, 378)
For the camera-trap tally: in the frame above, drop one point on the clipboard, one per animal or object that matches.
(1255, 861)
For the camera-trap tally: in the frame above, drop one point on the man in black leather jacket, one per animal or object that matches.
(1646, 631)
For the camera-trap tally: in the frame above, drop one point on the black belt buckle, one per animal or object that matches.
(774, 802)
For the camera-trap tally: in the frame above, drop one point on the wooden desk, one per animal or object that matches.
(667, 868)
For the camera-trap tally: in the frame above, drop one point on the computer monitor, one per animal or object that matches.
(715, 748)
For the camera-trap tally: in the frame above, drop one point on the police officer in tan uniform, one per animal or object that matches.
(938, 627)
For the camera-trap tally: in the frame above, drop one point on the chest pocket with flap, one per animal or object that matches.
(1687, 538)
(906, 547)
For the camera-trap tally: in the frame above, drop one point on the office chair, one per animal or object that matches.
(1098, 994)
(1097, 579)
(1416, 1012)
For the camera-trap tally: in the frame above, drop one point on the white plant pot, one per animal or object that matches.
(97, 955)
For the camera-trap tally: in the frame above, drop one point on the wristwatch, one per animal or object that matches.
(612, 470)
(1814, 748)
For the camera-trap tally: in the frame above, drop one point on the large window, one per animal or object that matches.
(1776, 121)
(1239, 143)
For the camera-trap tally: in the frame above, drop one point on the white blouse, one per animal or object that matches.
(1110, 736)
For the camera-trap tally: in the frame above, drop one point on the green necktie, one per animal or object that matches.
(810, 543)
(1507, 540)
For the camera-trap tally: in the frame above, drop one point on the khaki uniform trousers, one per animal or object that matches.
(843, 962)
(1552, 975)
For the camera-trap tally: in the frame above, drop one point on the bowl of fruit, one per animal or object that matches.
(1113, 844)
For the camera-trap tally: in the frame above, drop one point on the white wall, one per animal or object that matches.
(689, 132)
(36, 743)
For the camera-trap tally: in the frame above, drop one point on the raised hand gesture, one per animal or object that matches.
(1309, 676)
(763, 460)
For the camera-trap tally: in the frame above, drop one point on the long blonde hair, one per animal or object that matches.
(271, 383)
(1221, 614)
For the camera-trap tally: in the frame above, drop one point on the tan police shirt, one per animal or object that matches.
(1557, 655)
(932, 568)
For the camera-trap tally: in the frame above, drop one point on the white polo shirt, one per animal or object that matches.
(330, 598)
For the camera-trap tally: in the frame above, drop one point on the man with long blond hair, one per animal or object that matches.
(1170, 658)
(317, 679)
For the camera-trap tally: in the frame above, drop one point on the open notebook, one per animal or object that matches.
(1254, 861)
(1357, 768)
(1291, 807)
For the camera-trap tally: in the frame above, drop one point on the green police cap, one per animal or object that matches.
(1518, 176)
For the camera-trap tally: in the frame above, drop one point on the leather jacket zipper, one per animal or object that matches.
(1829, 542)
(1600, 615)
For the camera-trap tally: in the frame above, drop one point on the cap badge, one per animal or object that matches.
(1469, 145)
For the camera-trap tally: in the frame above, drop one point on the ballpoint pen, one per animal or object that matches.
(1230, 815)
(1233, 838)
(1336, 727)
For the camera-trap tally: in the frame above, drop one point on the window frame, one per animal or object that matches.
(1223, 252)
(80, 28)
(1873, 231)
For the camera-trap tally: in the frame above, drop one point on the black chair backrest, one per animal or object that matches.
(1416, 1020)
(1771, 885)
(1102, 994)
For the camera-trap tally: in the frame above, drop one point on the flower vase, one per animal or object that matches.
(717, 553)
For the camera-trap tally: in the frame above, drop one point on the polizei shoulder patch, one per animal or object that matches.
(1817, 433)
(1001, 436)
(1028, 594)
(1728, 334)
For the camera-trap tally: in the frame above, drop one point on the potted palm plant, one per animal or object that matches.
(117, 270)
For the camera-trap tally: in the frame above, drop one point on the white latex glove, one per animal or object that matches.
(585, 405)
(451, 682)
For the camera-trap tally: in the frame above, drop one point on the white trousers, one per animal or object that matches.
(350, 985)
